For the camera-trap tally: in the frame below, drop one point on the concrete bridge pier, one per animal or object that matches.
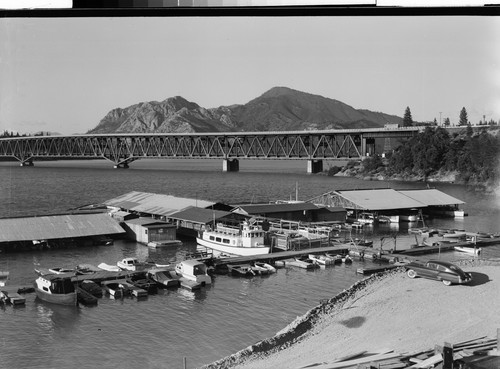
(230, 165)
(27, 163)
(314, 166)
(121, 166)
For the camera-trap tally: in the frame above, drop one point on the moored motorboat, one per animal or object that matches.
(165, 277)
(91, 287)
(241, 270)
(264, 268)
(112, 288)
(129, 289)
(132, 264)
(193, 270)
(165, 243)
(469, 250)
(109, 268)
(246, 240)
(10, 295)
(147, 284)
(56, 289)
(321, 259)
(85, 297)
(303, 262)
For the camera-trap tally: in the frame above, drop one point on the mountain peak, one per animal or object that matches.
(280, 91)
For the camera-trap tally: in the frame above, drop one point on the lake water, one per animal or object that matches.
(203, 326)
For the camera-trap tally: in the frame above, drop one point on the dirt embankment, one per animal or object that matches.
(383, 311)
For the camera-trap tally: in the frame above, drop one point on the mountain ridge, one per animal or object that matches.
(278, 109)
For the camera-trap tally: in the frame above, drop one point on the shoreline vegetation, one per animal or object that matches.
(385, 311)
(468, 158)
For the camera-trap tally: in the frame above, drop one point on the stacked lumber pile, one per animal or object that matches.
(461, 355)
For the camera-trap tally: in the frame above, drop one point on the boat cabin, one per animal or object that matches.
(193, 270)
(56, 285)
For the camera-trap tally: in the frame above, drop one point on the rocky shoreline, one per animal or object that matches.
(438, 177)
(324, 331)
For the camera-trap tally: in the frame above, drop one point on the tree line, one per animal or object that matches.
(475, 157)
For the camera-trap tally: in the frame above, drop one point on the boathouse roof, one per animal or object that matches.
(152, 203)
(380, 199)
(385, 199)
(199, 215)
(256, 209)
(145, 222)
(432, 197)
(57, 226)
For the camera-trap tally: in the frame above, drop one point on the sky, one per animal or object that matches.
(65, 74)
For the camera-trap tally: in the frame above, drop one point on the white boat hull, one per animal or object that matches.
(61, 299)
(469, 250)
(233, 250)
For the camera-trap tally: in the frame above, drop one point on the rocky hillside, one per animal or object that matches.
(279, 109)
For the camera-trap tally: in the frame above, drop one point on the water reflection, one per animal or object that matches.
(56, 318)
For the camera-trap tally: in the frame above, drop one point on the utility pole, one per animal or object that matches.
(440, 118)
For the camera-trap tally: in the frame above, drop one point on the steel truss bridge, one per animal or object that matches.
(122, 149)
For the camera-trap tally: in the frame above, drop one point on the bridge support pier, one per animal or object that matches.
(121, 166)
(230, 165)
(314, 166)
(28, 163)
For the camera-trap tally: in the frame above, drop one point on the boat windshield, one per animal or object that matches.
(199, 269)
(62, 286)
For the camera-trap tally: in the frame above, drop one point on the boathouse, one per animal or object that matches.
(192, 220)
(56, 230)
(147, 230)
(294, 211)
(158, 205)
(387, 200)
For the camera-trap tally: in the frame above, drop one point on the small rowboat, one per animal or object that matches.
(469, 250)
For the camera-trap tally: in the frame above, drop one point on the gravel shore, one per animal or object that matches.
(386, 311)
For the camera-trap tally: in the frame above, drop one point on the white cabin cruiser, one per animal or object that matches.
(246, 240)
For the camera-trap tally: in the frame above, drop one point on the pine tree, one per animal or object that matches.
(447, 122)
(407, 119)
(463, 117)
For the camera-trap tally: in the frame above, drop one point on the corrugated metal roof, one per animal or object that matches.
(57, 226)
(153, 203)
(199, 215)
(431, 197)
(380, 199)
(145, 221)
(276, 208)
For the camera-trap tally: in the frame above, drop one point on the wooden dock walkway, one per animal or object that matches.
(449, 246)
(281, 255)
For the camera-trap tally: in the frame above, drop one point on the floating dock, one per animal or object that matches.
(281, 255)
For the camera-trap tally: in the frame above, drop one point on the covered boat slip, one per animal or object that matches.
(387, 200)
(54, 227)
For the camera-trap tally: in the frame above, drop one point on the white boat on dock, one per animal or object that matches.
(246, 240)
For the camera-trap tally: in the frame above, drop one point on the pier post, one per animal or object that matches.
(230, 165)
(314, 166)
